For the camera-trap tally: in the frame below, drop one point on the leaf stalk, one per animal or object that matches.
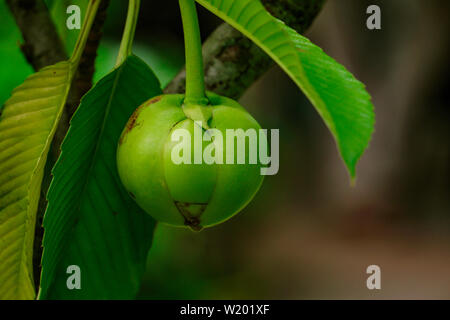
(129, 32)
(91, 13)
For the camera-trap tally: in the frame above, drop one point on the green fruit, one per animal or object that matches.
(194, 195)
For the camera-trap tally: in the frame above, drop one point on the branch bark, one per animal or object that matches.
(232, 62)
(42, 46)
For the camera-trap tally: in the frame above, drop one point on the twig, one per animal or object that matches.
(233, 63)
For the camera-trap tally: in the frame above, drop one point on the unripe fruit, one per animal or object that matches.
(194, 195)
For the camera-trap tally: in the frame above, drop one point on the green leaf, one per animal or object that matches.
(340, 99)
(91, 221)
(27, 126)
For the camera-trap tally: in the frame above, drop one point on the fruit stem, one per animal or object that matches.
(91, 13)
(195, 82)
(129, 31)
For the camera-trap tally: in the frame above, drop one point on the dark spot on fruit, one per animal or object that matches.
(191, 213)
(194, 224)
(154, 100)
(121, 138)
(115, 213)
(132, 195)
(132, 123)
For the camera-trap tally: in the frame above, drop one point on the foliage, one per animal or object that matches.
(338, 97)
(91, 221)
(27, 125)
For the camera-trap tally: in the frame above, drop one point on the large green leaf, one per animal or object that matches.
(91, 221)
(27, 126)
(339, 98)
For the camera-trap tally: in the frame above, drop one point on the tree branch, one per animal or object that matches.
(233, 63)
(42, 46)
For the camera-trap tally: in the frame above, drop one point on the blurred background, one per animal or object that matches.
(308, 234)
